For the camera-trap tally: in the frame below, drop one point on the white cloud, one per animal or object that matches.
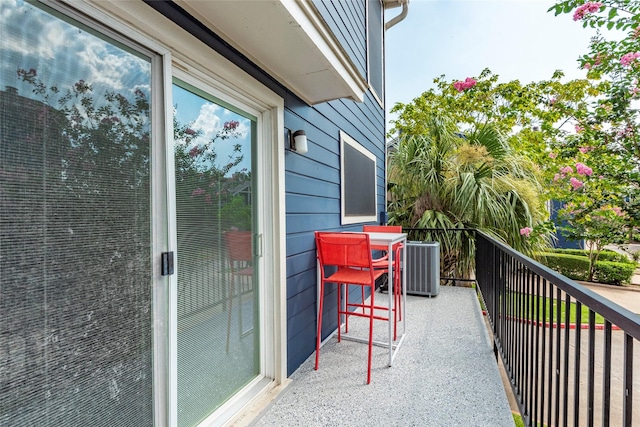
(62, 53)
(210, 122)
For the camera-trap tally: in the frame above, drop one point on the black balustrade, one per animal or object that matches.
(565, 368)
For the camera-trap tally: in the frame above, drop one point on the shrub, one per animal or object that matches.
(576, 267)
(605, 255)
(579, 252)
(614, 257)
(614, 273)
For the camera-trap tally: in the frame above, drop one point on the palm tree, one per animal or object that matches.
(446, 179)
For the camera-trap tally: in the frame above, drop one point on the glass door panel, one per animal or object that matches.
(218, 351)
(75, 224)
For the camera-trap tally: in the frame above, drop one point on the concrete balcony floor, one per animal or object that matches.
(445, 374)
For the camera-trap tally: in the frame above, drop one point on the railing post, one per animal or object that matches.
(495, 296)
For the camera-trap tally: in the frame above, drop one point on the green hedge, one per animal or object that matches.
(605, 255)
(614, 273)
(576, 267)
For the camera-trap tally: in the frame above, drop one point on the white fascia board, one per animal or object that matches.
(290, 41)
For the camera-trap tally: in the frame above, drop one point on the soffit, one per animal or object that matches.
(289, 40)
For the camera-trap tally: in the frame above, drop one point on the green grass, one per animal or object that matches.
(517, 420)
(551, 310)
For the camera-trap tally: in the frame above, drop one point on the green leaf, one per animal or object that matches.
(613, 13)
(610, 25)
(567, 7)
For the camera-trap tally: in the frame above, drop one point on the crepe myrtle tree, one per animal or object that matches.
(591, 202)
(531, 116)
(613, 60)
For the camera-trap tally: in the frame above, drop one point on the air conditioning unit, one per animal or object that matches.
(423, 268)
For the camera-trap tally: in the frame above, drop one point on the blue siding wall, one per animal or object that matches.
(346, 19)
(313, 202)
(312, 181)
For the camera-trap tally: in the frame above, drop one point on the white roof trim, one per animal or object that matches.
(289, 40)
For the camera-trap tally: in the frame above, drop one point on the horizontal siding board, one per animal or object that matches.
(296, 355)
(313, 186)
(298, 203)
(301, 263)
(300, 242)
(304, 165)
(301, 306)
(298, 283)
(297, 223)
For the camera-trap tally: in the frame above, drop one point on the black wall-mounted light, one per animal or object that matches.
(298, 141)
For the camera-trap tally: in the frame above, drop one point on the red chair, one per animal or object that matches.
(383, 264)
(240, 256)
(350, 253)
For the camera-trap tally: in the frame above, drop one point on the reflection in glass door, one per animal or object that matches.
(76, 280)
(218, 343)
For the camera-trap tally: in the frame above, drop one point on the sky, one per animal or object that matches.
(62, 54)
(516, 39)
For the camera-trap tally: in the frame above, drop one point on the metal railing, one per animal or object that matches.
(568, 352)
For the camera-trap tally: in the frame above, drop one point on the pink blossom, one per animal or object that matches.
(468, 83)
(585, 150)
(582, 169)
(601, 177)
(628, 58)
(636, 33)
(586, 66)
(579, 128)
(526, 231)
(585, 9)
(208, 199)
(556, 177)
(566, 170)
(194, 151)
(189, 131)
(552, 101)
(598, 60)
(634, 91)
(627, 132)
(231, 125)
(552, 155)
(575, 183)
(197, 192)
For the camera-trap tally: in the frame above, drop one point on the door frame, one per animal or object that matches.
(182, 54)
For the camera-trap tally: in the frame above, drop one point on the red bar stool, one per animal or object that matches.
(383, 264)
(240, 256)
(350, 254)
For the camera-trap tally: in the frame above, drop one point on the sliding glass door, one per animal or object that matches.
(95, 327)
(218, 342)
(76, 328)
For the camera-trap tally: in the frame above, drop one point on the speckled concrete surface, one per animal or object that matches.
(445, 374)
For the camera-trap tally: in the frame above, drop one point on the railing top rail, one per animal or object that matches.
(438, 229)
(614, 313)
